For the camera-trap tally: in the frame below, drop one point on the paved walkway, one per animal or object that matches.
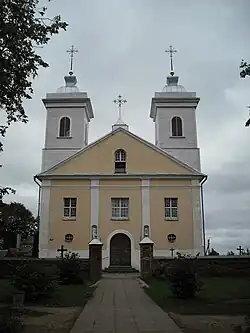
(120, 305)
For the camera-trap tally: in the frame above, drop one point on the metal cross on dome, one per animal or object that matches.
(72, 50)
(171, 51)
(120, 101)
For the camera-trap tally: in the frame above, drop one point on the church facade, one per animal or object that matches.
(120, 188)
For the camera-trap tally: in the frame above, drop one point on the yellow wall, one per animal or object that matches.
(160, 228)
(140, 158)
(120, 188)
(80, 228)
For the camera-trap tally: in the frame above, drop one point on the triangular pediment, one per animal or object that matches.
(142, 158)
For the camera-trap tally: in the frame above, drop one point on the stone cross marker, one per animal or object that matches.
(62, 250)
(240, 249)
(172, 251)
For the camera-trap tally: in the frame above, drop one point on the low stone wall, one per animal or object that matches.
(210, 265)
(7, 265)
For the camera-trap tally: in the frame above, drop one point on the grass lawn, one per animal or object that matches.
(219, 295)
(68, 296)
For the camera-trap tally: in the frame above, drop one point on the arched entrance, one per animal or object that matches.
(120, 250)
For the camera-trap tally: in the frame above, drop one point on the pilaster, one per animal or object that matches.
(94, 215)
(145, 201)
(44, 219)
(197, 226)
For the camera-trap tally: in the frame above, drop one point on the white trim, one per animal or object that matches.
(197, 227)
(135, 253)
(70, 128)
(88, 187)
(94, 213)
(44, 219)
(182, 127)
(145, 202)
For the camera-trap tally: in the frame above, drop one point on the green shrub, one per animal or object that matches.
(10, 320)
(35, 280)
(70, 269)
(183, 277)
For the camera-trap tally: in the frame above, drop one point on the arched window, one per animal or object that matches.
(120, 161)
(64, 127)
(176, 123)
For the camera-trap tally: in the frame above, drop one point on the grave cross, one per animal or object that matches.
(172, 251)
(62, 250)
(240, 249)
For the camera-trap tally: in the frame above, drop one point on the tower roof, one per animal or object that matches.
(172, 80)
(70, 80)
(70, 84)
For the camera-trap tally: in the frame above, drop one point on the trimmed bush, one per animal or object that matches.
(183, 278)
(70, 269)
(36, 281)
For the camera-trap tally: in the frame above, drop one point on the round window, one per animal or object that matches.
(171, 238)
(69, 238)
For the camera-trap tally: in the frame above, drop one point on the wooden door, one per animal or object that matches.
(120, 250)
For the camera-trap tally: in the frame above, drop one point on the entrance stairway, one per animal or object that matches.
(120, 269)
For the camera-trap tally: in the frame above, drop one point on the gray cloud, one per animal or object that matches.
(121, 50)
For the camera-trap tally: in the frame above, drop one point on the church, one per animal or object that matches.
(121, 188)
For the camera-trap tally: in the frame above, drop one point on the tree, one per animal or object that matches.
(230, 253)
(245, 69)
(17, 219)
(24, 28)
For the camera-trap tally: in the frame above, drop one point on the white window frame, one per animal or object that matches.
(120, 208)
(171, 208)
(120, 155)
(72, 210)
(59, 128)
(182, 127)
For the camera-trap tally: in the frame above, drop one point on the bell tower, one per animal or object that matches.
(69, 112)
(173, 111)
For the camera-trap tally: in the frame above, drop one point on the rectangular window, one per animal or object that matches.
(69, 210)
(171, 208)
(120, 208)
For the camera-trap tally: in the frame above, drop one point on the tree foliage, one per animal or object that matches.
(16, 218)
(245, 69)
(24, 28)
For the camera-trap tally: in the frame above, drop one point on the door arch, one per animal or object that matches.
(120, 250)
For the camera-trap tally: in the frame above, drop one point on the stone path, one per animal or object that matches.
(120, 305)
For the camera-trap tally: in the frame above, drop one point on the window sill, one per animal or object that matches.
(177, 137)
(171, 219)
(64, 137)
(119, 219)
(69, 218)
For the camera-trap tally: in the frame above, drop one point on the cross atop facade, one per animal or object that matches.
(120, 101)
(171, 51)
(72, 50)
(62, 250)
(172, 251)
(240, 249)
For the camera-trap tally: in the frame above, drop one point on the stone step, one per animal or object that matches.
(120, 269)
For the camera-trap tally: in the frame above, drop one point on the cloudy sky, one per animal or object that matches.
(121, 47)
